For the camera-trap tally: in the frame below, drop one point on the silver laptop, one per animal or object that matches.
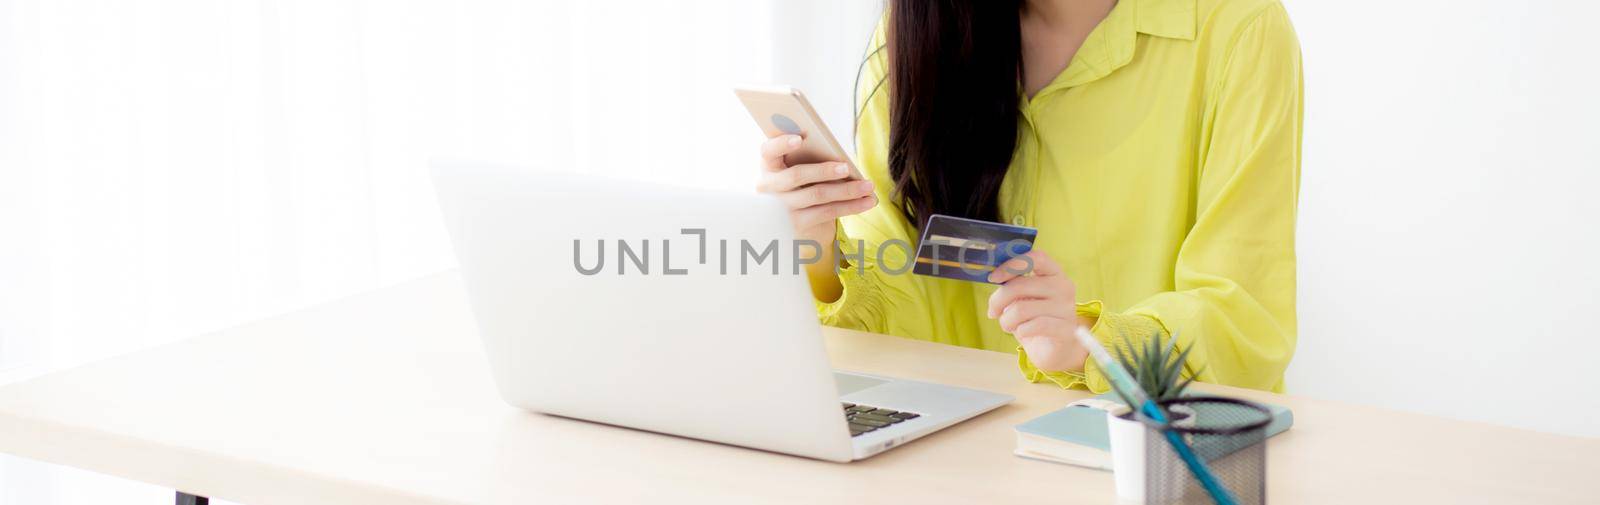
(671, 310)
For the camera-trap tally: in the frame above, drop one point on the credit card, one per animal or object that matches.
(969, 249)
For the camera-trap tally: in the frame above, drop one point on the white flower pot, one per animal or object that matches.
(1128, 437)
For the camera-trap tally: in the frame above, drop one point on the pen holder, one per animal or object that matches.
(1228, 435)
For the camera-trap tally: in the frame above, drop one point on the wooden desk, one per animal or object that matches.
(385, 398)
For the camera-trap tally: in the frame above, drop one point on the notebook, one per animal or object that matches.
(1077, 434)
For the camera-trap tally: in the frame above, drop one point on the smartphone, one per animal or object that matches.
(783, 110)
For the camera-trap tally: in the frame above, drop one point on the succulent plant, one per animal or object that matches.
(1157, 366)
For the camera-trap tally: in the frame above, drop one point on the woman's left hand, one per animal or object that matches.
(1040, 309)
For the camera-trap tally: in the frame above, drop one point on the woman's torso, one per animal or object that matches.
(1106, 167)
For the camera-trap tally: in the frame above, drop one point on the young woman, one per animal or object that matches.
(1155, 144)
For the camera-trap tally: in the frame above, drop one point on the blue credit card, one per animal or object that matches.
(969, 249)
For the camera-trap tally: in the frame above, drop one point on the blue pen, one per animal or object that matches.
(1124, 383)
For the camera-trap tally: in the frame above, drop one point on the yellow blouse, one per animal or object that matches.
(1162, 169)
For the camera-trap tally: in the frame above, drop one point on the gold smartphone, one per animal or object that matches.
(782, 110)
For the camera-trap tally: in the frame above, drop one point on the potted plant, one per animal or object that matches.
(1158, 368)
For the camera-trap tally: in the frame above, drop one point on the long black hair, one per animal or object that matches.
(954, 67)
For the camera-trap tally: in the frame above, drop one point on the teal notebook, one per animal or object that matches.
(1077, 434)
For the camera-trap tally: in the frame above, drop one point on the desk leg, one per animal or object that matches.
(189, 499)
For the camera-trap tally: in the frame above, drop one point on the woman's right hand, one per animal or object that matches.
(817, 194)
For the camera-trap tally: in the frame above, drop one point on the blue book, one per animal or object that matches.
(1077, 434)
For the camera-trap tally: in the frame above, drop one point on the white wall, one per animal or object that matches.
(1449, 255)
(172, 167)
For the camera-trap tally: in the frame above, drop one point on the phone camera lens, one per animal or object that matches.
(785, 124)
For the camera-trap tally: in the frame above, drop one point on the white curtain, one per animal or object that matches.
(178, 166)
(173, 167)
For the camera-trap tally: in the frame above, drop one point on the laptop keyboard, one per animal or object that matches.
(865, 419)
